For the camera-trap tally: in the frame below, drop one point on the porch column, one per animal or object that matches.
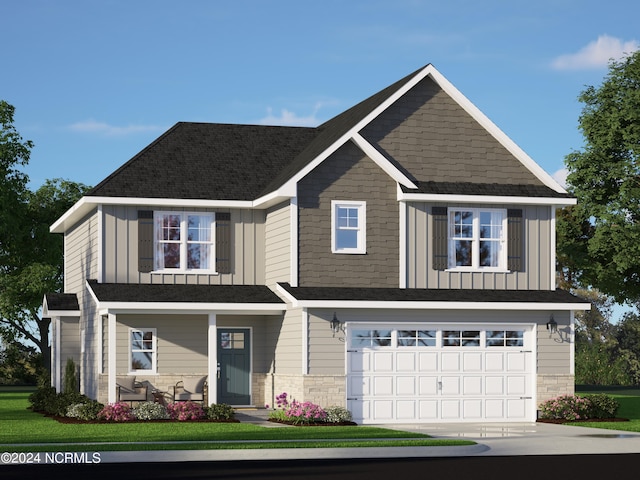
(111, 358)
(212, 352)
(55, 354)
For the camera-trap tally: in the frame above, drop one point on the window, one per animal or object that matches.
(477, 239)
(348, 234)
(461, 338)
(184, 241)
(142, 350)
(371, 338)
(505, 338)
(413, 338)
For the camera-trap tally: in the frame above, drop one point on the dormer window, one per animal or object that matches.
(184, 241)
(349, 227)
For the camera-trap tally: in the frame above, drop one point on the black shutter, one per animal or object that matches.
(515, 240)
(440, 238)
(223, 242)
(145, 241)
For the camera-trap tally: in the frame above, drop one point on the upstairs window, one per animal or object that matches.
(348, 221)
(184, 241)
(477, 239)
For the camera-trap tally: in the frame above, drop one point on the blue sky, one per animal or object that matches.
(94, 82)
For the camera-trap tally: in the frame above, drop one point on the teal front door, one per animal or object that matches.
(234, 366)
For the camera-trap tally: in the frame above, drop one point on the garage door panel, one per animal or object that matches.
(450, 409)
(471, 385)
(516, 362)
(494, 385)
(450, 386)
(406, 362)
(382, 386)
(450, 362)
(472, 362)
(516, 408)
(429, 410)
(494, 362)
(359, 385)
(516, 385)
(406, 386)
(428, 362)
(494, 409)
(406, 409)
(359, 362)
(383, 362)
(472, 409)
(428, 386)
(383, 410)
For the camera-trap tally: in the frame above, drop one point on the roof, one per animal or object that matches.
(422, 295)
(493, 189)
(208, 160)
(61, 301)
(157, 293)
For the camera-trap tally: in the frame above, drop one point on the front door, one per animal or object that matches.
(234, 364)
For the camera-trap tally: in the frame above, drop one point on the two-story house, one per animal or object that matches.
(398, 260)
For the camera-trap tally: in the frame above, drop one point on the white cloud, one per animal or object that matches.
(291, 119)
(596, 54)
(92, 126)
(560, 176)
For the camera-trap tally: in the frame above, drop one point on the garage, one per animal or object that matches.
(425, 373)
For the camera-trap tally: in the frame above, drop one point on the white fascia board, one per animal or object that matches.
(491, 127)
(61, 313)
(484, 199)
(374, 304)
(86, 204)
(192, 308)
(370, 151)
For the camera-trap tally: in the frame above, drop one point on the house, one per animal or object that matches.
(397, 260)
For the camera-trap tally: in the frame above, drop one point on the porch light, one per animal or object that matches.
(552, 325)
(335, 324)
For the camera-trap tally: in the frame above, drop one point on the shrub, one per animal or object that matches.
(565, 407)
(73, 411)
(89, 410)
(220, 411)
(602, 406)
(150, 411)
(116, 412)
(70, 377)
(185, 411)
(304, 413)
(42, 398)
(337, 414)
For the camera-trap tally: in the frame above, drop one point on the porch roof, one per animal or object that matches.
(134, 292)
(423, 298)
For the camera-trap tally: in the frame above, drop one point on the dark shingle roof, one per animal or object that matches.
(429, 295)
(124, 292)
(469, 188)
(208, 161)
(62, 301)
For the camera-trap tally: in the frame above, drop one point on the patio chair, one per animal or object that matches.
(128, 390)
(191, 388)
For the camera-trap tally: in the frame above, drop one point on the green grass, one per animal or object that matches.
(22, 428)
(629, 400)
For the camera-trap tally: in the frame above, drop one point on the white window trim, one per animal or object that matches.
(183, 244)
(154, 356)
(362, 226)
(502, 260)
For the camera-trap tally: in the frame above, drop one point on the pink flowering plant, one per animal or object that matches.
(297, 413)
(566, 407)
(184, 411)
(116, 412)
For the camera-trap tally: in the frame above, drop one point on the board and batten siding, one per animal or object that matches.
(120, 263)
(535, 271)
(81, 254)
(326, 353)
(278, 244)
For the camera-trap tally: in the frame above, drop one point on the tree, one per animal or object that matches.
(30, 256)
(605, 178)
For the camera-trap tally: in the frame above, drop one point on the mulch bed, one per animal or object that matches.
(593, 420)
(77, 420)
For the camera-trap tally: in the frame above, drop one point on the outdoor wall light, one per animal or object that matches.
(335, 324)
(552, 325)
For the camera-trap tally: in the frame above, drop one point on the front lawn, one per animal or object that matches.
(22, 428)
(629, 400)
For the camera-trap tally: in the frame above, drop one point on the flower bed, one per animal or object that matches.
(308, 413)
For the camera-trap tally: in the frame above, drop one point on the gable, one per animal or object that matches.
(436, 140)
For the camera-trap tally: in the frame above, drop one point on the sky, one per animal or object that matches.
(94, 82)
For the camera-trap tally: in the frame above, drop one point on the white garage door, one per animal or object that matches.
(422, 374)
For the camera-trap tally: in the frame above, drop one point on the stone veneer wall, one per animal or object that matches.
(550, 386)
(323, 390)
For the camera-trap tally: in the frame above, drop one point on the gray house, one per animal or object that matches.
(398, 260)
